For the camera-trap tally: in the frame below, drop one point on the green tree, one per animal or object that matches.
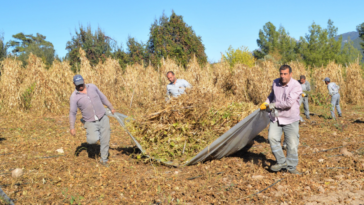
(3, 48)
(349, 53)
(240, 55)
(319, 46)
(277, 44)
(23, 45)
(96, 45)
(360, 29)
(136, 51)
(172, 37)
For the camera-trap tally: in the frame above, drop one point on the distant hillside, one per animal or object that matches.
(354, 36)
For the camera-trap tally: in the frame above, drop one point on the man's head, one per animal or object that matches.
(302, 79)
(171, 77)
(79, 82)
(327, 80)
(285, 73)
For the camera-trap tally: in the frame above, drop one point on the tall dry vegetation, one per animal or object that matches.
(38, 90)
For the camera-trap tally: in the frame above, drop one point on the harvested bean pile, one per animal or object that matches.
(180, 128)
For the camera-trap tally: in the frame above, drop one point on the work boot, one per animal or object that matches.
(295, 172)
(278, 167)
(308, 117)
(340, 115)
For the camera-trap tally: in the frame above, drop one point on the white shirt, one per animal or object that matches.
(178, 88)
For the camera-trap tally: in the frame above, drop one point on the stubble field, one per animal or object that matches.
(30, 143)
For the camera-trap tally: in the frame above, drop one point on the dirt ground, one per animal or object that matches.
(329, 177)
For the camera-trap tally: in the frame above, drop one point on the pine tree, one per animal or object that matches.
(172, 37)
(23, 45)
(96, 45)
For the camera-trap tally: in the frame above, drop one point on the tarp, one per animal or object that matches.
(230, 142)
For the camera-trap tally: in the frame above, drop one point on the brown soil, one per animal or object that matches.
(30, 142)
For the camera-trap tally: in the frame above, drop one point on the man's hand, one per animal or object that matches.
(304, 95)
(73, 132)
(264, 106)
(112, 111)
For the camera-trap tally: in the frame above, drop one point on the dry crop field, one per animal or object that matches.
(34, 124)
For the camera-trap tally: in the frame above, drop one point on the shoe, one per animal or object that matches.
(278, 167)
(105, 164)
(294, 172)
(308, 117)
(340, 115)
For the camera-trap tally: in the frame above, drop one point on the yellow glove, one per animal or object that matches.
(304, 94)
(264, 106)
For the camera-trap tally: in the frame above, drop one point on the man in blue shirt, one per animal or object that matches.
(177, 86)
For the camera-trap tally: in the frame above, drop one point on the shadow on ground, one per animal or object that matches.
(93, 150)
(2, 139)
(128, 150)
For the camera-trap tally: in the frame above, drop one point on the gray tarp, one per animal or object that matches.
(230, 142)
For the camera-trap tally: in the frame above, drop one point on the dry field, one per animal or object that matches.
(34, 124)
(51, 178)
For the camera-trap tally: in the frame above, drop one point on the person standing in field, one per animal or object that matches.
(304, 99)
(90, 100)
(284, 113)
(177, 86)
(335, 97)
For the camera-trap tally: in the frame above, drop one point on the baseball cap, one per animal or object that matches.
(78, 80)
(327, 79)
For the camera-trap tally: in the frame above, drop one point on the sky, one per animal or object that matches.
(219, 23)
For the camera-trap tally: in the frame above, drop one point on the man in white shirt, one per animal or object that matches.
(177, 86)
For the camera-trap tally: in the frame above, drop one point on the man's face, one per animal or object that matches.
(327, 82)
(302, 80)
(285, 76)
(171, 77)
(80, 87)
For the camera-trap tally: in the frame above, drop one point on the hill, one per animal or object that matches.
(354, 36)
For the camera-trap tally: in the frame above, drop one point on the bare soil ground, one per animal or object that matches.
(30, 142)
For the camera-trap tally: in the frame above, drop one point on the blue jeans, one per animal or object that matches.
(291, 137)
(335, 102)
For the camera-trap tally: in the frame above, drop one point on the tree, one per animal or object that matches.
(240, 55)
(172, 37)
(96, 45)
(360, 29)
(349, 53)
(23, 45)
(3, 48)
(277, 44)
(319, 46)
(136, 51)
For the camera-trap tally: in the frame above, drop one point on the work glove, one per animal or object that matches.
(264, 106)
(304, 95)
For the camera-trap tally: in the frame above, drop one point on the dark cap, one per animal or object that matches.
(78, 80)
(327, 79)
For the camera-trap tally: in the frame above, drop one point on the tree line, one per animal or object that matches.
(171, 37)
(318, 47)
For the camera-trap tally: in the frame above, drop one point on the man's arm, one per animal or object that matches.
(73, 112)
(104, 99)
(331, 90)
(308, 87)
(292, 98)
(187, 84)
